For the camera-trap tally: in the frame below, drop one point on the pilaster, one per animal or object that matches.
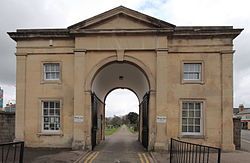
(20, 97)
(79, 117)
(161, 93)
(227, 100)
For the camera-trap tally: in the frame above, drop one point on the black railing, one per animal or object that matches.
(11, 152)
(184, 152)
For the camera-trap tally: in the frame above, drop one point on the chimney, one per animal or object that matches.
(241, 107)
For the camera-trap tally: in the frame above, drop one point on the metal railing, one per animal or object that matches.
(185, 152)
(11, 152)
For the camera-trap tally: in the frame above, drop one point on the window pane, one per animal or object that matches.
(45, 126)
(190, 121)
(57, 119)
(197, 105)
(57, 75)
(197, 114)
(184, 128)
(197, 121)
(45, 104)
(46, 119)
(57, 104)
(192, 75)
(47, 67)
(185, 67)
(184, 114)
(53, 67)
(52, 105)
(190, 128)
(186, 76)
(57, 112)
(191, 106)
(45, 112)
(197, 76)
(48, 76)
(191, 113)
(197, 128)
(184, 121)
(51, 111)
(51, 126)
(53, 75)
(199, 67)
(57, 67)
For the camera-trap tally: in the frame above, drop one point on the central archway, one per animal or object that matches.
(115, 75)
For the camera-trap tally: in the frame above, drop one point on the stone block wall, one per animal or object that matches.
(237, 132)
(7, 127)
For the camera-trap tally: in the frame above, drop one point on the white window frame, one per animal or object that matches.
(192, 72)
(45, 72)
(56, 116)
(201, 118)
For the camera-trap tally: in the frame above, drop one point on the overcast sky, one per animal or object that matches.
(61, 14)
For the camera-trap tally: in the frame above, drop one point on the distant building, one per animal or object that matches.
(244, 114)
(10, 107)
(1, 98)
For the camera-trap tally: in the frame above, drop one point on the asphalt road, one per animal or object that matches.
(245, 140)
(121, 147)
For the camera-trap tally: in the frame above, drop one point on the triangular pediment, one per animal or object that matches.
(121, 18)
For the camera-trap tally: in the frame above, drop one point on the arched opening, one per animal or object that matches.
(121, 101)
(110, 77)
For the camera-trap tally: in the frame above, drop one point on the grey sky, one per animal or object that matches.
(60, 14)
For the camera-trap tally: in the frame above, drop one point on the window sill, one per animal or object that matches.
(193, 136)
(192, 82)
(50, 134)
(51, 82)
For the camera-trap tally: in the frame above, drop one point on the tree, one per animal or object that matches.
(125, 119)
(116, 121)
(133, 118)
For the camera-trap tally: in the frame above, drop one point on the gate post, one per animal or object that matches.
(237, 132)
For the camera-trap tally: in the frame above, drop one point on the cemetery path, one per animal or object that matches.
(121, 147)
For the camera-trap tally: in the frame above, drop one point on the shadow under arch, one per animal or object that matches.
(112, 59)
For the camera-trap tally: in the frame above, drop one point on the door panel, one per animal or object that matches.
(145, 117)
(94, 106)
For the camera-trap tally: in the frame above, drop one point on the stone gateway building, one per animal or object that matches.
(182, 76)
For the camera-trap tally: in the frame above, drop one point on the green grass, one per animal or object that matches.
(131, 129)
(110, 131)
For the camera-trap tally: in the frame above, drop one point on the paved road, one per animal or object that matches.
(121, 147)
(245, 140)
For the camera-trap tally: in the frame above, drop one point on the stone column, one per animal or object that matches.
(79, 119)
(227, 100)
(20, 96)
